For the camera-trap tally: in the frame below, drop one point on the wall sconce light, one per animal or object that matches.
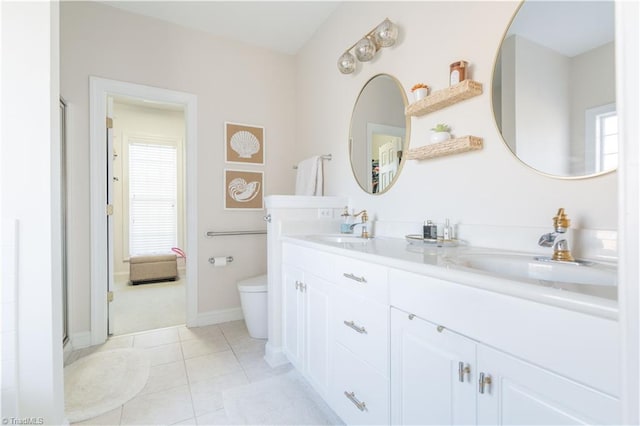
(384, 35)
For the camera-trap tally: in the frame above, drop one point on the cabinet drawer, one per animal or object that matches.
(363, 327)
(319, 263)
(358, 394)
(362, 278)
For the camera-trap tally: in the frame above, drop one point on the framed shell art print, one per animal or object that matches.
(244, 143)
(243, 189)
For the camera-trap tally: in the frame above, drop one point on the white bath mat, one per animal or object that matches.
(102, 381)
(282, 400)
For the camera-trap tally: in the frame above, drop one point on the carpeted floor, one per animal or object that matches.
(103, 381)
(145, 307)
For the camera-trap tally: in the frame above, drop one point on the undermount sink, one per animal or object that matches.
(538, 268)
(341, 238)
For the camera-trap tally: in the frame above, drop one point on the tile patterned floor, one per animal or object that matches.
(190, 369)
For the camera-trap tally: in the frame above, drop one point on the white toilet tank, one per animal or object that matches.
(253, 298)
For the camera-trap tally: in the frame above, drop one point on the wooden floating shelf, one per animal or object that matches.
(443, 98)
(440, 149)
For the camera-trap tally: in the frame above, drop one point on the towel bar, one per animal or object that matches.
(324, 157)
(227, 233)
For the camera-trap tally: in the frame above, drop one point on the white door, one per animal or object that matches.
(388, 162)
(110, 207)
(317, 327)
(432, 373)
(520, 393)
(292, 279)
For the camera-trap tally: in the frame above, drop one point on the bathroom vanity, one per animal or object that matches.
(392, 333)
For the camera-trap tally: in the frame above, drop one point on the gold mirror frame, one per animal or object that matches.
(405, 142)
(495, 121)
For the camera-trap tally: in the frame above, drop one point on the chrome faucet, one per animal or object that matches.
(363, 223)
(557, 239)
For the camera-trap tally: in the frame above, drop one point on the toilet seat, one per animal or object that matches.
(253, 285)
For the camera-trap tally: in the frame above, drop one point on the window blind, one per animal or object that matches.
(153, 221)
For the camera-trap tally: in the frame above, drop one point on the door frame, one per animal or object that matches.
(99, 90)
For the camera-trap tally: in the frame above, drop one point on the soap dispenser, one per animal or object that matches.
(429, 230)
(447, 231)
(345, 226)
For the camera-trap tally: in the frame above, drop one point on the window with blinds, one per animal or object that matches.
(153, 215)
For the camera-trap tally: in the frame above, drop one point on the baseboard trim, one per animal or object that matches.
(218, 316)
(80, 340)
(274, 356)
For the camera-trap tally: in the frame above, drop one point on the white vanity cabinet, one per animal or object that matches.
(293, 332)
(383, 345)
(440, 377)
(444, 371)
(336, 330)
(517, 392)
(432, 373)
(359, 390)
(307, 309)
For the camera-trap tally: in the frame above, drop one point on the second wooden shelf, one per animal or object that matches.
(452, 146)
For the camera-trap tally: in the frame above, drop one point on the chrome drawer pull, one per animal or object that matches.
(352, 397)
(462, 370)
(353, 326)
(482, 381)
(353, 277)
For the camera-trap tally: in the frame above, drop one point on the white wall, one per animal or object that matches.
(482, 187)
(131, 121)
(31, 327)
(542, 114)
(233, 82)
(593, 84)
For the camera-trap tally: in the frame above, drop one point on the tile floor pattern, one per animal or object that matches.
(190, 369)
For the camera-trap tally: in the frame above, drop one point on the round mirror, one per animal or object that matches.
(554, 88)
(379, 133)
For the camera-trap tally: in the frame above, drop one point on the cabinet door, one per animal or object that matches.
(432, 373)
(521, 393)
(293, 311)
(317, 331)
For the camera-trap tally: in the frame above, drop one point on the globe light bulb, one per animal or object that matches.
(386, 33)
(347, 63)
(365, 50)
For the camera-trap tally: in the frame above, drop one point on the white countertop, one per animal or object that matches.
(439, 262)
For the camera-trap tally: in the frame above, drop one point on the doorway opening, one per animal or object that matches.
(103, 94)
(148, 216)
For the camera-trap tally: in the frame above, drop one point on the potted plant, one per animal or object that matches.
(440, 133)
(420, 91)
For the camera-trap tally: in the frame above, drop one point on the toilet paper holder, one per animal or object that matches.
(212, 260)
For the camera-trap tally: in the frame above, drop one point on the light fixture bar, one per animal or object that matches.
(384, 34)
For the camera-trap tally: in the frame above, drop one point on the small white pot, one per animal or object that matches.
(420, 93)
(440, 137)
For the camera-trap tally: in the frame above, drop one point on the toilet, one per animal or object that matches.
(253, 298)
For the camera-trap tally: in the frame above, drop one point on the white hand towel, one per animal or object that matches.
(309, 179)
